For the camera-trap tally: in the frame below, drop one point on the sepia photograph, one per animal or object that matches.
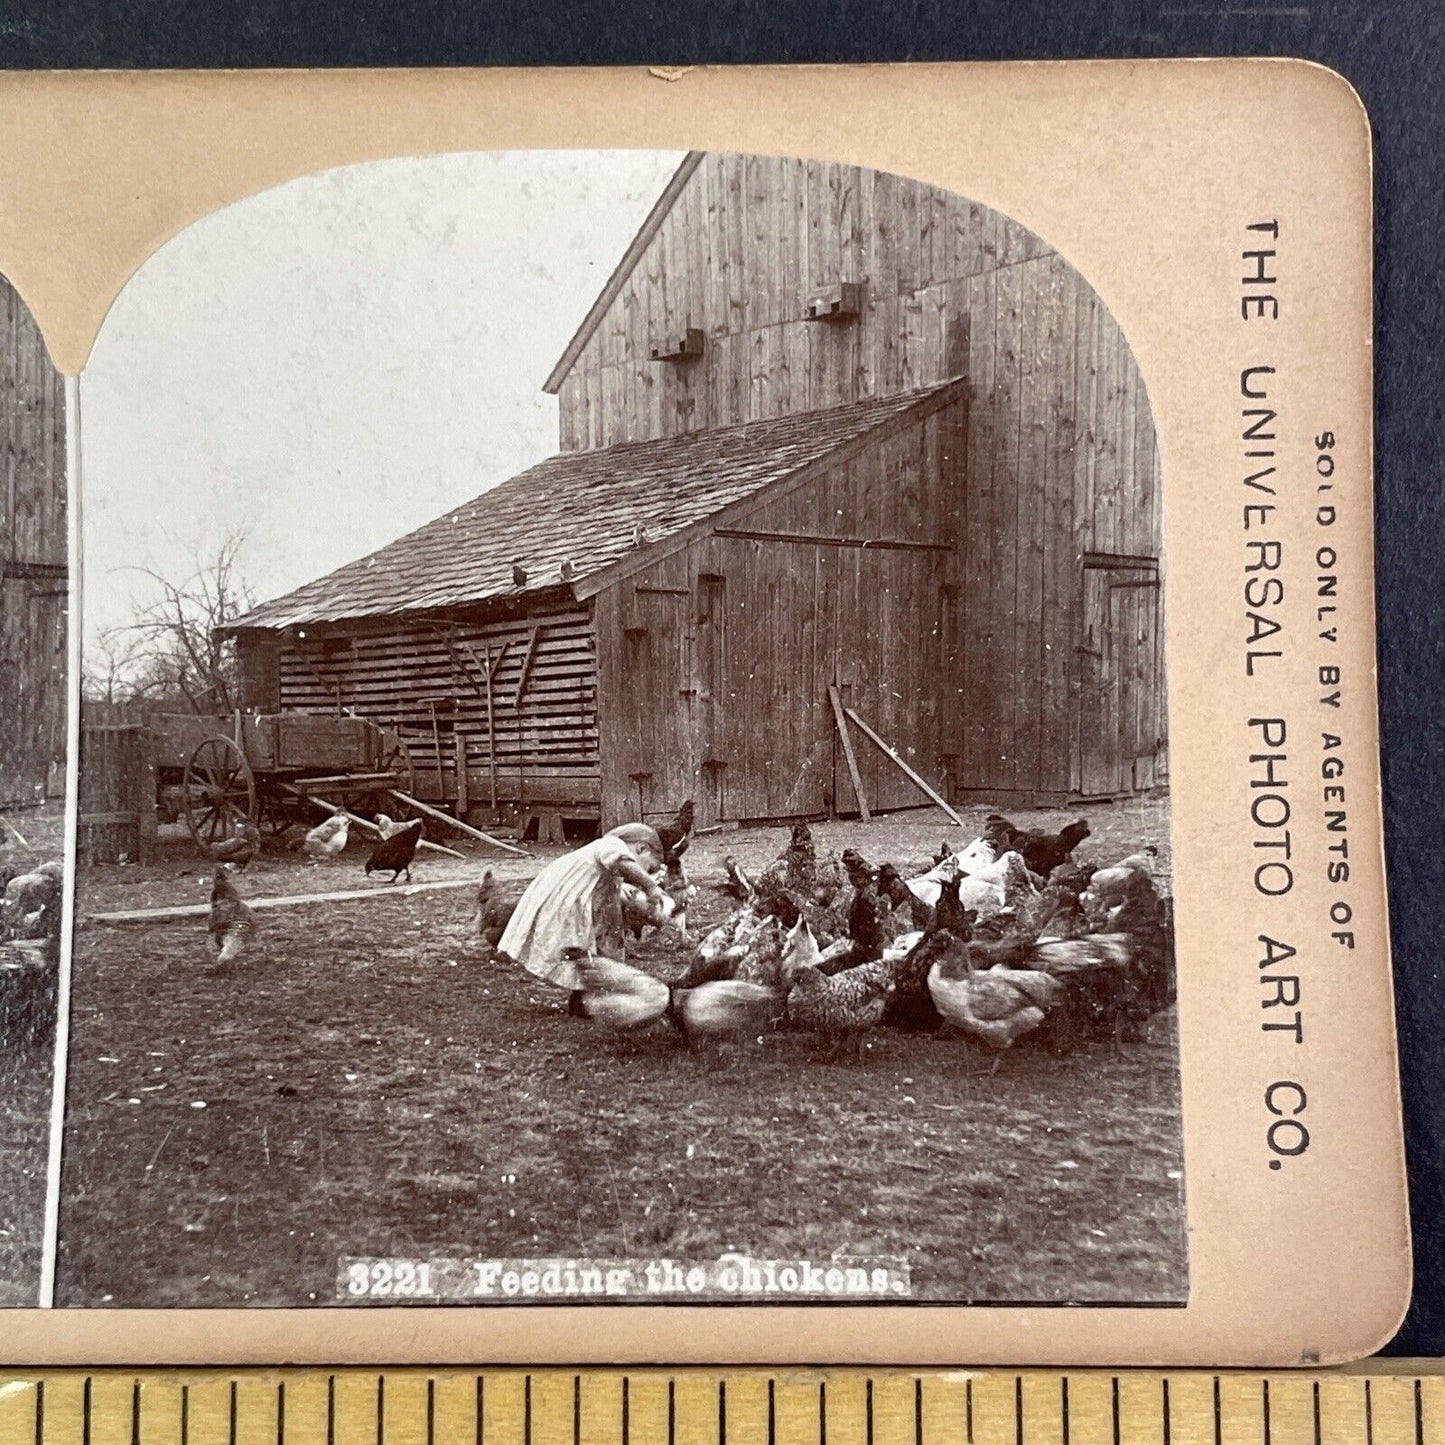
(34, 585)
(624, 755)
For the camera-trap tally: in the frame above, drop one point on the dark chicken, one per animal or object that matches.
(394, 854)
(674, 834)
(867, 912)
(1042, 852)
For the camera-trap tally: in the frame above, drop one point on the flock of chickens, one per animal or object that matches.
(1004, 938)
(1007, 937)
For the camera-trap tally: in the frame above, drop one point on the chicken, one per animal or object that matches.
(494, 910)
(996, 1005)
(798, 870)
(394, 854)
(240, 849)
(911, 1006)
(843, 1004)
(675, 833)
(328, 839)
(638, 910)
(729, 946)
(1112, 884)
(626, 998)
(387, 825)
(739, 885)
(232, 925)
(26, 896)
(1055, 911)
(1042, 852)
(868, 911)
(519, 575)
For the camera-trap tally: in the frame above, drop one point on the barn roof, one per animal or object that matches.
(584, 508)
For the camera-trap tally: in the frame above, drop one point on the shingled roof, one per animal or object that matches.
(584, 508)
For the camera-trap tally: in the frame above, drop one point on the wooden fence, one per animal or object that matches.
(117, 793)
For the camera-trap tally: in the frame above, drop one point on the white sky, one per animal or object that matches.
(338, 360)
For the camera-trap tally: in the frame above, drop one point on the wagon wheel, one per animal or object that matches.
(280, 811)
(218, 792)
(397, 759)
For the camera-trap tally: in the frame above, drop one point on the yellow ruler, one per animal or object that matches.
(722, 1407)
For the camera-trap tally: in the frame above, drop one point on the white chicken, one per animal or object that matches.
(983, 886)
(626, 998)
(328, 839)
(994, 1005)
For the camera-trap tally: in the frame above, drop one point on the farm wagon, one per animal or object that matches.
(215, 773)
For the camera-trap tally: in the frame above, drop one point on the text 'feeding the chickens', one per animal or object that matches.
(729, 1277)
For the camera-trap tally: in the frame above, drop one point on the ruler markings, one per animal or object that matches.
(731, 1407)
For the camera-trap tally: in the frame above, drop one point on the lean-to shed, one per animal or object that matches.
(823, 428)
(33, 570)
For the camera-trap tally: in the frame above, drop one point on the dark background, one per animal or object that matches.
(1392, 52)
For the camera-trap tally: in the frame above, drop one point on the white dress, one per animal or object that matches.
(572, 903)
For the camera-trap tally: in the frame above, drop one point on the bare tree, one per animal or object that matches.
(173, 647)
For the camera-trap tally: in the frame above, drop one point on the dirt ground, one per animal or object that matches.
(26, 1067)
(372, 1086)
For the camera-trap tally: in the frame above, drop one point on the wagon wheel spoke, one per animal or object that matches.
(218, 792)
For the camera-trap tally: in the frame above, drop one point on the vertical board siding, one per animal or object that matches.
(715, 663)
(33, 560)
(1062, 456)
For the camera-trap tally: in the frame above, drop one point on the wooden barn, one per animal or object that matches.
(33, 568)
(841, 454)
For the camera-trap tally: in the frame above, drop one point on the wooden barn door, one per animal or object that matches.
(1119, 655)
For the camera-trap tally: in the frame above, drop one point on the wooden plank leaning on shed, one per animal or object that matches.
(908, 772)
(848, 755)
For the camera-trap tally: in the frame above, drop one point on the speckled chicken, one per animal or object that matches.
(844, 1003)
(232, 927)
(495, 906)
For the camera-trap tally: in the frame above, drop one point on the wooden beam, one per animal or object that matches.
(366, 825)
(848, 753)
(455, 823)
(907, 771)
(525, 676)
(347, 895)
(491, 730)
(810, 539)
